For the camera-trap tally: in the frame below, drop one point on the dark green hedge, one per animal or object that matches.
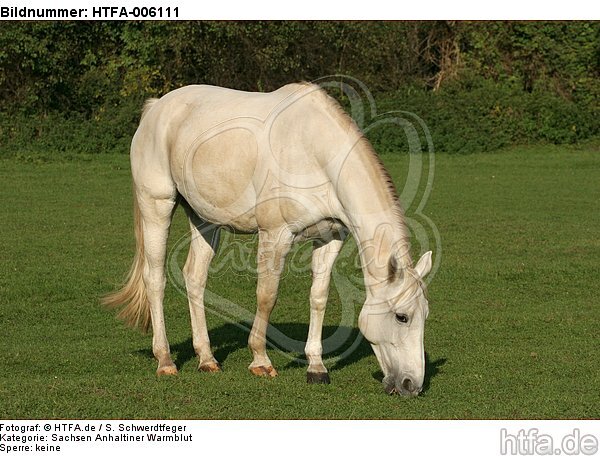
(485, 116)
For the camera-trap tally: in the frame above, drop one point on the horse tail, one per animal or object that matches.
(132, 296)
(148, 105)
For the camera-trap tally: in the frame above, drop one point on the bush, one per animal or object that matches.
(79, 86)
(483, 116)
(109, 131)
(480, 117)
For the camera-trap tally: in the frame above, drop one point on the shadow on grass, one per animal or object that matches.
(342, 347)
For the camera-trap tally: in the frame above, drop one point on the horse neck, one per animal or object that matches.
(382, 245)
(372, 214)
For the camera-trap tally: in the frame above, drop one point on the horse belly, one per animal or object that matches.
(215, 177)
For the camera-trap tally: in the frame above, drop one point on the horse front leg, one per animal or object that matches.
(324, 255)
(272, 250)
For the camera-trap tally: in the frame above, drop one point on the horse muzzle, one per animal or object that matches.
(404, 386)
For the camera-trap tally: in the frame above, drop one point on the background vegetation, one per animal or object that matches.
(78, 87)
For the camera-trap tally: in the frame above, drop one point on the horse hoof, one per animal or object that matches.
(167, 370)
(210, 367)
(264, 371)
(318, 378)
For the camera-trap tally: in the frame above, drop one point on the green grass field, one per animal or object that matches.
(513, 330)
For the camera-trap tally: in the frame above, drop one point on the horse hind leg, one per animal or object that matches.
(156, 212)
(203, 246)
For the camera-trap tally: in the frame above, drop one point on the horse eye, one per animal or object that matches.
(402, 318)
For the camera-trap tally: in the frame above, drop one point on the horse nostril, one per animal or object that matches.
(407, 385)
(389, 387)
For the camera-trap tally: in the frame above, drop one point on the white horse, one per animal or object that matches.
(289, 165)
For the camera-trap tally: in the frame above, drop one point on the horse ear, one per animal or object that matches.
(424, 265)
(393, 271)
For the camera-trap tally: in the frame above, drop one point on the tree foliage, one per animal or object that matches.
(99, 72)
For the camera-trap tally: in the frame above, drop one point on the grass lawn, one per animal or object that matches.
(514, 328)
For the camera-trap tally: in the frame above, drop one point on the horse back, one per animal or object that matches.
(242, 159)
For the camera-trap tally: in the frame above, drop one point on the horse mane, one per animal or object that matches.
(365, 148)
